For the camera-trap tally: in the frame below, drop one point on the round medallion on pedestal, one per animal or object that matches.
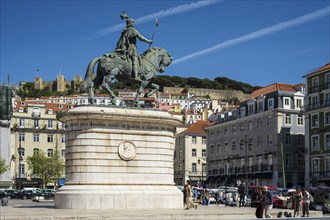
(127, 150)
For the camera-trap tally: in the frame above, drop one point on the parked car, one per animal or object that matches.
(12, 193)
(47, 193)
(28, 194)
(321, 198)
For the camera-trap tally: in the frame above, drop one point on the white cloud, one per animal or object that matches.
(257, 34)
(161, 14)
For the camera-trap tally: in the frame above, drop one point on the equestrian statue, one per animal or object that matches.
(126, 60)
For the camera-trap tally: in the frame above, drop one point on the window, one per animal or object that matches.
(299, 103)
(327, 141)
(315, 101)
(63, 138)
(22, 152)
(212, 149)
(288, 159)
(193, 152)
(242, 127)
(233, 129)
(233, 145)
(250, 109)
(36, 123)
(286, 102)
(315, 84)
(259, 141)
(63, 152)
(180, 166)
(35, 151)
(287, 138)
(300, 120)
(259, 123)
(21, 169)
(327, 164)
(219, 148)
(50, 152)
(226, 131)
(242, 111)
(271, 103)
(315, 142)
(269, 139)
(327, 118)
(50, 124)
(316, 165)
(203, 152)
(327, 81)
(287, 119)
(21, 137)
(327, 98)
(50, 111)
(218, 132)
(194, 167)
(315, 121)
(35, 137)
(203, 167)
(249, 125)
(63, 125)
(269, 120)
(261, 106)
(50, 138)
(225, 147)
(21, 122)
(193, 140)
(203, 140)
(180, 153)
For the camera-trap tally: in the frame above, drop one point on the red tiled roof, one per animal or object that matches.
(325, 67)
(272, 88)
(197, 128)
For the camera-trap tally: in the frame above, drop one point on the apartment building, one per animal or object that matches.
(261, 142)
(317, 117)
(34, 128)
(190, 153)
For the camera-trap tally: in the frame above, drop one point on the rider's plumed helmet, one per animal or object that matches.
(129, 22)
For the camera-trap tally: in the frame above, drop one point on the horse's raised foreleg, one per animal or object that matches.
(155, 88)
(139, 92)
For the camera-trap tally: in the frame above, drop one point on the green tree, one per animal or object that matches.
(46, 168)
(3, 166)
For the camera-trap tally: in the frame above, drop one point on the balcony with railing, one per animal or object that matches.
(319, 88)
(317, 105)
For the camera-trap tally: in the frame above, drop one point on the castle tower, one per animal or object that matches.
(38, 83)
(76, 82)
(60, 82)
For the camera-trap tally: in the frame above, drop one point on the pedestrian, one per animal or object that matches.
(268, 202)
(189, 194)
(242, 194)
(306, 202)
(260, 203)
(297, 202)
(185, 194)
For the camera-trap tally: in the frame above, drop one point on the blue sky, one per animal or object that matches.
(257, 42)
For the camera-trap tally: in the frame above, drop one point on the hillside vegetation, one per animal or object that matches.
(220, 83)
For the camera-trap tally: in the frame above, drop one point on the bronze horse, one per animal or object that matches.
(112, 65)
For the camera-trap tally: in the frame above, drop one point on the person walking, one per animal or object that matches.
(242, 194)
(306, 202)
(268, 202)
(260, 203)
(297, 202)
(189, 194)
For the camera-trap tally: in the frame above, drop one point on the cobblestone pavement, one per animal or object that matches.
(26, 209)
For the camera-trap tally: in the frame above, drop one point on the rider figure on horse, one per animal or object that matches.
(127, 44)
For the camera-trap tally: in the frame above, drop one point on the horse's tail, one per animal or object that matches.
(85, 84)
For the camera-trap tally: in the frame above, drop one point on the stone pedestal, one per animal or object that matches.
(118, 158)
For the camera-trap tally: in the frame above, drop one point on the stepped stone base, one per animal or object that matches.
(119, 158)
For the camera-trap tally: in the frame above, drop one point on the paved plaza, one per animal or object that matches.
(28, 210)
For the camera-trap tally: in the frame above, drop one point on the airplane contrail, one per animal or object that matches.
(257, 34)
(160, 14)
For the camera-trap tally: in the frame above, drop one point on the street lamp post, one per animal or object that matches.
(246, 142)
(199, 161)
(20, 158)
